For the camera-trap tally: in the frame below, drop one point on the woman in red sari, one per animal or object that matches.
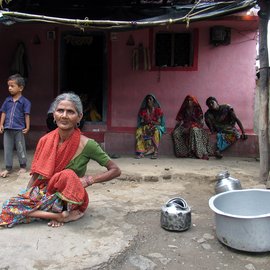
(190, 139)
(56, 190)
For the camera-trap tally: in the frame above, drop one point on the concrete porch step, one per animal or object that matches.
(124, 143)
(121, 143)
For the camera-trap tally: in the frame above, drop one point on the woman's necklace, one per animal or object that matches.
(150, 111)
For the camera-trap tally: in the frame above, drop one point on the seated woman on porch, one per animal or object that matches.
(56, 190)
(221, 119)
(189, 137)
(150, 127)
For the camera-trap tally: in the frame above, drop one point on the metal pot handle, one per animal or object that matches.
(178, 202)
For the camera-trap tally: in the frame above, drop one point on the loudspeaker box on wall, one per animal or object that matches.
(220, 35)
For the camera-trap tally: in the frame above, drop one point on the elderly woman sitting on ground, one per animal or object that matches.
(57, 188)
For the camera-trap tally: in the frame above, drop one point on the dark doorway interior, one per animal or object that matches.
(83, 72)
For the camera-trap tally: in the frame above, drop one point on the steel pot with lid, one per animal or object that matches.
(226, 183)
(175, 215)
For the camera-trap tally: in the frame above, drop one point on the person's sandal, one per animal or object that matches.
(218, 155)
(139, 156)
(205, 157)
(154, 156)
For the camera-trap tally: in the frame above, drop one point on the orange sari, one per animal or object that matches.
(56, 189)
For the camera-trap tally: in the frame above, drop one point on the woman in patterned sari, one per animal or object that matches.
(150, 127)
(221, 119)
(56, 190)
(190, 139)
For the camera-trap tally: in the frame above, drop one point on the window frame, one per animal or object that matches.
(195, 41)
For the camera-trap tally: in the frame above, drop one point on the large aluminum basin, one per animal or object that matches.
(242, 219)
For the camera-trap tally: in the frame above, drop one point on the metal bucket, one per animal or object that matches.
(242, 219)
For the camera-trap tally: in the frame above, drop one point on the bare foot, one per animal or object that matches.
(54, 223)
(59, 221)
(4, 173)
(22, 170)
(64, 217)
(73, 215)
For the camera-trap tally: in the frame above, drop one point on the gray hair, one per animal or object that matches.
(18, 79)
(69, 96)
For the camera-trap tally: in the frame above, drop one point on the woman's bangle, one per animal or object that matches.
(89, 180)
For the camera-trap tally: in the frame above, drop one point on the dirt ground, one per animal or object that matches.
(121, 229)
(198, 247)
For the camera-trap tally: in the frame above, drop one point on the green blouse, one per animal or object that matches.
(92, 150)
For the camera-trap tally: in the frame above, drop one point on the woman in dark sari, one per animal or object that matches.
(150, 127)
(221, 119)
(190, 139)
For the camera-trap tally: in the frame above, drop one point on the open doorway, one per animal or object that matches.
(83, 71)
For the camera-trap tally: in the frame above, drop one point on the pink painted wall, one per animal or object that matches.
(39, 88)
(227, 72)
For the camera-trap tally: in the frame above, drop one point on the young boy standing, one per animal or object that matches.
(14, 123)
